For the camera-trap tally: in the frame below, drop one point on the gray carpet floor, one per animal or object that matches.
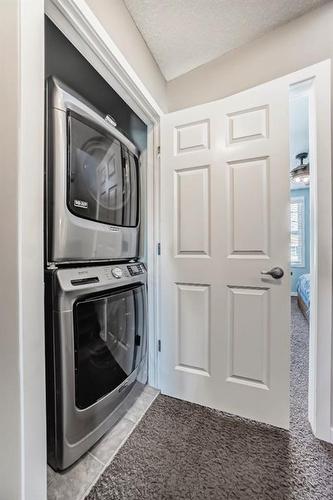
(185, 451)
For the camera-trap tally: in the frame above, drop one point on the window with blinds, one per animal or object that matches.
(297, 236)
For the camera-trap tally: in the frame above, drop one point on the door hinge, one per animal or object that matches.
(158, 248)
(158, 151)
(159, 346)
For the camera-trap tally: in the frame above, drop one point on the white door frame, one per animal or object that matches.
(75, 19)
(320, 356)
(78, 23)
(22, 418)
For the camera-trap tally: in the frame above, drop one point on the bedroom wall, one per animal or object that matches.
(299, 142)
(298, 271)
(299, 126)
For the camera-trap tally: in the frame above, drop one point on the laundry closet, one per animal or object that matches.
(95, 262)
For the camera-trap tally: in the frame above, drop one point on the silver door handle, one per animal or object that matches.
(275, 272)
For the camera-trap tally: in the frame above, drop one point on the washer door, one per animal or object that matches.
(109, 338)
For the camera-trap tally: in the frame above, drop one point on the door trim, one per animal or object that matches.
(318, 78)
(320, 398)
(79, 24)
(82, 28)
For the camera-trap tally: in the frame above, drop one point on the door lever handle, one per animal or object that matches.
(275, 272)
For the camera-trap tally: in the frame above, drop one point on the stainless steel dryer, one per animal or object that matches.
(92, 183)
(96, 344)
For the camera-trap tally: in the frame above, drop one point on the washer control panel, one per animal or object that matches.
(99, 276)
(136, 269)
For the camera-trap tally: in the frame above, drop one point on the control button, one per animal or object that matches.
(117, 272)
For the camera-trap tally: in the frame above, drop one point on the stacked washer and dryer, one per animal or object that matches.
(95, 284)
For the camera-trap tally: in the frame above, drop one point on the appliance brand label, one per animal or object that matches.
(80, 204)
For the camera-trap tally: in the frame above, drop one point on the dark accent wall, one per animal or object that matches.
(65, 62)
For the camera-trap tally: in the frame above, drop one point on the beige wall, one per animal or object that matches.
(116, 20)
(300, 43)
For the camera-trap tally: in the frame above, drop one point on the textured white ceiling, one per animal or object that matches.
(183, 34)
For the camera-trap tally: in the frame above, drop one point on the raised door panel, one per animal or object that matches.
(192, 212)
(248, 222)
(193, 334)
(192, 137)
(248, 124)
(248, 336)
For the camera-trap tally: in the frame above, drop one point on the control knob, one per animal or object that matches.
(117, 272)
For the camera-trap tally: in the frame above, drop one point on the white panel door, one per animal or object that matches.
(224, 206)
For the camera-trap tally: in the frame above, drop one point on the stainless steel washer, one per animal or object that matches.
(96, 345)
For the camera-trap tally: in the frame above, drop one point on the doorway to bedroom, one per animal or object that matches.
(300, 238)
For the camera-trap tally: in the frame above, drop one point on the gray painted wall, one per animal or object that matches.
(117, 21)
(300, 43)
(9, 338)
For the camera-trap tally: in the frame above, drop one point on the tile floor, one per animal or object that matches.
(75, 483)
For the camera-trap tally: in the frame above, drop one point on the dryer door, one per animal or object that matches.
(102, 177)
(110, 341)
